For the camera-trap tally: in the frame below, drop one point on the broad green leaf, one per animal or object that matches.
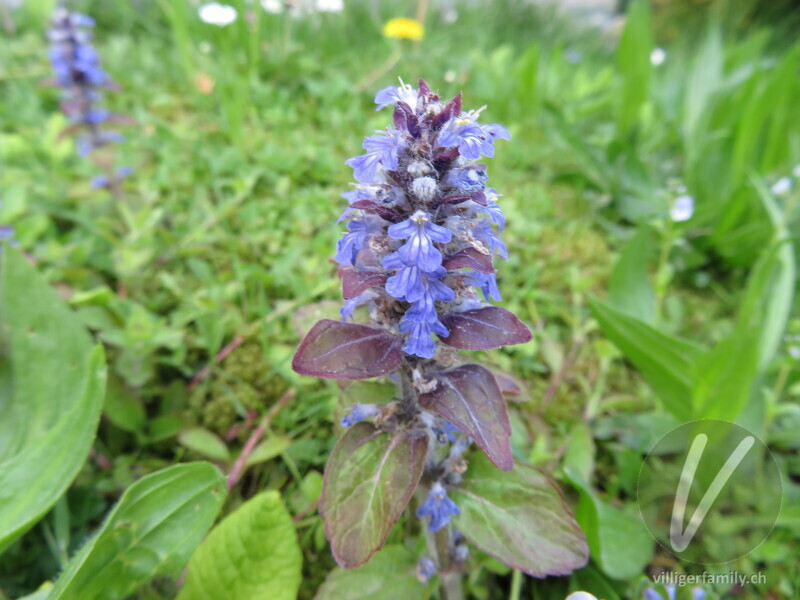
(52, 384)
(629, 290)
(390, 575)
(519, 517)
(619, 542)
(633, 56)
(206, 443)
(271, 447)
(580, 451)
(369, 480)
(253, 553)
(122, 407)
(151, 532)
(41, 594)
(725, 376)
(667, 363)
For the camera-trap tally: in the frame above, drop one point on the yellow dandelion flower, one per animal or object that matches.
(402, 28)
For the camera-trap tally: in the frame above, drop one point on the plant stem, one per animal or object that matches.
(439, 543)
(516, 585)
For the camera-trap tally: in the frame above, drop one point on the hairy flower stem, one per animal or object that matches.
(451, 578)
(439, 544)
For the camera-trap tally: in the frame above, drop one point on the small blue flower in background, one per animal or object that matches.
(698, 593)
(6, 235)
(77, 69)
(438, 507)
(445, 432)
(651, 594)
(359, 412)
(425, 570)
(682, 208)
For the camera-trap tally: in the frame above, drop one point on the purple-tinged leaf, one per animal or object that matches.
(305, 317)
(405, 119)
(369, 480)
(520, 518)
(484, 329)
(384, 212)
(356, 282)
(478, 197)
(443, 158)
(510, 386)
(469, 257)
(424, 88)
(469, 398)
(337, 350)
(453, 109)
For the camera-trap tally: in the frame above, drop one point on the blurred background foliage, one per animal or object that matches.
(201, 280)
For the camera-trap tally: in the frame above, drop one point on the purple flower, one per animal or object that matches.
(352, 304)
(651, 594)
(483, 231)
(471, 138)
(425, 570)
(466, 179)
(438, 507)
(486, 282)
(494, 212)
(396, 220)
(78, 73)
(381, 151)
(419, 250)
(393, 94)
(445, 431)
(348, 246)
(359, 412)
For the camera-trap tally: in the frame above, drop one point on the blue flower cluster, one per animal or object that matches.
(78, 73)
(420, 203)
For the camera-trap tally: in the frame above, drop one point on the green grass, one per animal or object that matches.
(227, 226)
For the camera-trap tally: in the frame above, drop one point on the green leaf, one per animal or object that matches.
(770, 288)
(390, 575)
(667, 363)
(369, 480)
(519, 517)
(619, 542)
(206, 443)
(271, 447)
(152, 531)
(51, 394)
(591, 578)
(580, 451)
(725, 376)
(633, 57)
(253, 553)
(629, 290)
(123, 408)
